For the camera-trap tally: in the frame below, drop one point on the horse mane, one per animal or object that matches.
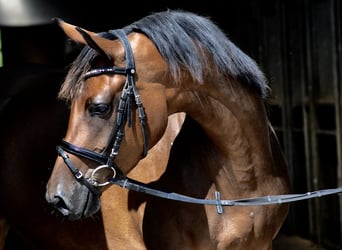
(188, 43)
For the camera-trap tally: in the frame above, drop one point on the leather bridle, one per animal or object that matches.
(124, 116)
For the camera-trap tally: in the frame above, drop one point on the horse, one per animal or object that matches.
(32, 122)
(121, 89)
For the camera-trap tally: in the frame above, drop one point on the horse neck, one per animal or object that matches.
(232, 137)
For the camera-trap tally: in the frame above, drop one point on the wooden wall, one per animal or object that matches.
(299, 49)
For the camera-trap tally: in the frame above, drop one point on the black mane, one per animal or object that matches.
(187, 42)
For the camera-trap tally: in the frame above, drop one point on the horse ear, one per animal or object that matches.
(79, 35)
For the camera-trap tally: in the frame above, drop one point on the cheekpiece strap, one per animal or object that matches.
(121, 35)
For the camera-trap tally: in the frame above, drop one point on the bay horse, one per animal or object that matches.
(121, 89)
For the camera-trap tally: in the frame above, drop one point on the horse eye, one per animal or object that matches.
(99, 109)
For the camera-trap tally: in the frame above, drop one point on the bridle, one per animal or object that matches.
(124, 116)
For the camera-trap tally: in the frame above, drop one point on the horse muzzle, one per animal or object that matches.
(68, 205)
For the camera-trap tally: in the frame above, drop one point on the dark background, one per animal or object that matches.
(31, 38)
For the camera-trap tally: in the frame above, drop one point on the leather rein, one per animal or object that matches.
(107, 156)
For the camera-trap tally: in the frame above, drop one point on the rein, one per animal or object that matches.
(124, 113)
(257, 201)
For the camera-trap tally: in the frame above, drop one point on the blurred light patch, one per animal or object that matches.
(28, 12)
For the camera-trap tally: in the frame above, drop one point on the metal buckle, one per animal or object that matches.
(78, 175)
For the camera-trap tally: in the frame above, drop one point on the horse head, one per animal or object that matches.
(119, 110)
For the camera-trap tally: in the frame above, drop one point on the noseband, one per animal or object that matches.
(124, 116)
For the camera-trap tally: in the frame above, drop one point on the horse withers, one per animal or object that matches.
(122, 88)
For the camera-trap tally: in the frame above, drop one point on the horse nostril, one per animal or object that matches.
(59, 204)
